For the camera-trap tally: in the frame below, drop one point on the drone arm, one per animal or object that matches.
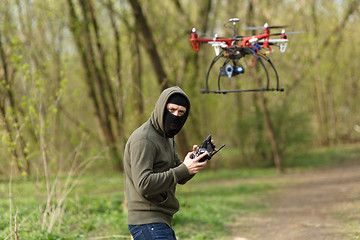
(282, 42)
(195, 44)
(215, 42)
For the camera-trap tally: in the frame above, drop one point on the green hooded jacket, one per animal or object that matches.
(153, 169)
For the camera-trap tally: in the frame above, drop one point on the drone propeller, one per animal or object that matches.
(205, 35)
(264, 27)
(286, 33)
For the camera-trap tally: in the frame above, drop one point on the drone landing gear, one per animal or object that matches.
(261, 89)
(232, 67)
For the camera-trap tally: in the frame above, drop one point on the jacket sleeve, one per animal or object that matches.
(185, 178)
(147, 182)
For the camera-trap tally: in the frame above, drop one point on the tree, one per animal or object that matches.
(150, 46)
(107, 112)
(9, 114)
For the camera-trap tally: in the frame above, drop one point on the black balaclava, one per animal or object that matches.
(172, 123)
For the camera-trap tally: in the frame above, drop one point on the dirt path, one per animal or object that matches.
(315, 205)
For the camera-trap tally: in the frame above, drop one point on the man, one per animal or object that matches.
(153, 168)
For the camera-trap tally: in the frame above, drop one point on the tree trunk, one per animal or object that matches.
(238, 98)
(324, 97)
(151, 48)
(97, 78)
(149, 43)
(137, 79)
(12, 128)
(267, 120)
(271, 133)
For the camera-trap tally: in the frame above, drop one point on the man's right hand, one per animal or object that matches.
(193, 165)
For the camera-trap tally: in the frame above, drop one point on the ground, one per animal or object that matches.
(320, 204)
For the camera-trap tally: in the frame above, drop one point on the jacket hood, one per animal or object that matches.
(157, 116)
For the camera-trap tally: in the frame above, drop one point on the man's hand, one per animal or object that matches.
(193, 165)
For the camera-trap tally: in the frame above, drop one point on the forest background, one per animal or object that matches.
(78, 76)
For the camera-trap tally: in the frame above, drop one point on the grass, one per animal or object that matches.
(208, 202)
(206, 210)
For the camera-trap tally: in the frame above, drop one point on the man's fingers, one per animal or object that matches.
(200, 157)
(189, 154)
(201, 164)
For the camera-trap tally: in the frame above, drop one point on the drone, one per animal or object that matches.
(244, 55)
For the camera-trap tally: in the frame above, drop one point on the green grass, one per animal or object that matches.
(208, 202)
(95, 208)
(206, 210)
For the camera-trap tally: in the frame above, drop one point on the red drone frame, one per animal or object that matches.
(237, 48)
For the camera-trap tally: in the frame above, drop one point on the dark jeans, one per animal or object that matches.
(153, 231)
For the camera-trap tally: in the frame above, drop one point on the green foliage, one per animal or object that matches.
(94, 208)
(323, 156)
(319, 105)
